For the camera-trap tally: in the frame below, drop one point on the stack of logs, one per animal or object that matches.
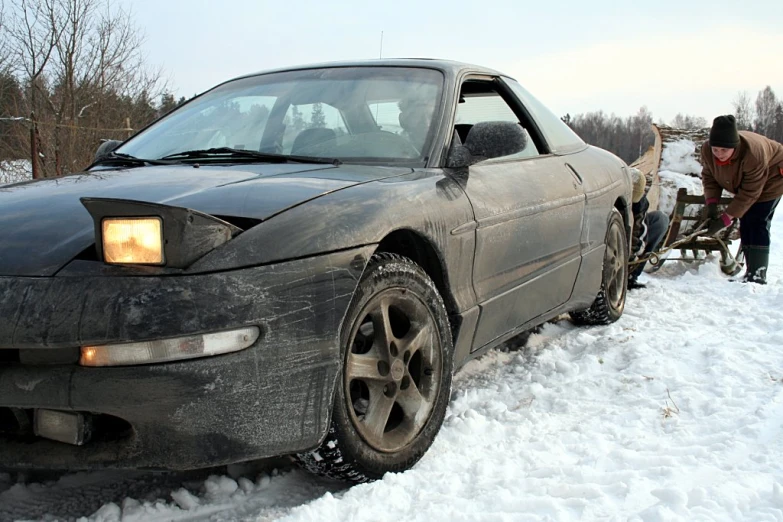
(650, 161)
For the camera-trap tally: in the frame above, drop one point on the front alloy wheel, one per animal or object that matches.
(391, 379)
(609, 304)
(396, 378)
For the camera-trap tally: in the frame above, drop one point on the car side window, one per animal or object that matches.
(559, 135)
(480, 101)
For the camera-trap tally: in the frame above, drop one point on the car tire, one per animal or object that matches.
(395, 379)
(609, 303)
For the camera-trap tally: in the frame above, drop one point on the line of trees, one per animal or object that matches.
(630, 137)
(72, 72)
(627, 137)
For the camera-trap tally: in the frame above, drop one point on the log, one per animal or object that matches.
(648, 163)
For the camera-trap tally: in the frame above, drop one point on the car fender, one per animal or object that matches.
(426, 203)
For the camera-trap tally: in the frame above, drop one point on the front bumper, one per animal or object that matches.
(271, 399)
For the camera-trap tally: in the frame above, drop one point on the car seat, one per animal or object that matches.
(309, 137)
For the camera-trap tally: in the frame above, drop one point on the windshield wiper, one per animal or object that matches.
(118, 158)
(247, 154)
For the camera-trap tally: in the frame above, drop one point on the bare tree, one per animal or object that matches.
(688, 122)
(84, 74)
(4, 61)
(33, 31)
(642, 131)
(628, 138)
(766, 106)
(32, 38)
(743, 111)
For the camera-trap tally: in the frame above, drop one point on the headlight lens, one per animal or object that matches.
(166, 350)
(133, 240)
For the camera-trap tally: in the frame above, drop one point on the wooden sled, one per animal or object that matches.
(687, 233)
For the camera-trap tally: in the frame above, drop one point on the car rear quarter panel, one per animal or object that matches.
(607, 187)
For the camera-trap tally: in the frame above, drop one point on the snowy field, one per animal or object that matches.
(673, 413)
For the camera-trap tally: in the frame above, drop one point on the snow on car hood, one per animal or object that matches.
(44, 225)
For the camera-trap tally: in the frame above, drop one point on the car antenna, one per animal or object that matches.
(380, 56)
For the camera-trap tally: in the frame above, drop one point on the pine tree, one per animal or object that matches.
(317, 118)
(777, 135)
(298, 122)
(13, 133)
(167, 103)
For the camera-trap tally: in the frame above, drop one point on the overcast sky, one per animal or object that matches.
(688, 56)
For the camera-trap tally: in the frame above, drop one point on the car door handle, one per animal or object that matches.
(574, 172)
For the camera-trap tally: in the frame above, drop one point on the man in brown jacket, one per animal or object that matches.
(749, 166)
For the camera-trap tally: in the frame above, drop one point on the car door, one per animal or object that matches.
(529, 210)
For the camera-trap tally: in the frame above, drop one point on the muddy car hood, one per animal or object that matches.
(43, 224)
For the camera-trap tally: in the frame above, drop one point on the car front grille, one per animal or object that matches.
(47, 356)
(38, 356)
(8, 356)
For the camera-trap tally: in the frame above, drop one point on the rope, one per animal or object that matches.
(701, 228)
(64, 125)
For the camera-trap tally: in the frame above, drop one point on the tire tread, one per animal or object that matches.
(329, 459)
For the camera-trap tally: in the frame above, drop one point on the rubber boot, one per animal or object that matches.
(757, 259)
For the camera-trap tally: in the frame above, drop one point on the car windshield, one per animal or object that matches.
(353, 114)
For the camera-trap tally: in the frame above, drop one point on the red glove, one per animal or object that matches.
(717, 224)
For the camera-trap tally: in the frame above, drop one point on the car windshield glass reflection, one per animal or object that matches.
(360, 114)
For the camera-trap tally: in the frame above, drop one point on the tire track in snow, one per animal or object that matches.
(81, 494)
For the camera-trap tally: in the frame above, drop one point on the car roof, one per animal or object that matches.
(450, 67)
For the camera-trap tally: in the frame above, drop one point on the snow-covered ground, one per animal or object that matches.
(675, 412)
(14, 171)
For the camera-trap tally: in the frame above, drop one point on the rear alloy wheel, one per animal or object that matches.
(610, 301)
(395, 382)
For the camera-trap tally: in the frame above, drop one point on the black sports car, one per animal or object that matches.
(294, 263)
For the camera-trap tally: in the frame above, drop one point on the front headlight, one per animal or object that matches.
(133, 241)
(142, 233)
(166, 350)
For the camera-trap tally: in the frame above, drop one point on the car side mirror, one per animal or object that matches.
(486, 140)
(105, 148)
(495, 139)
